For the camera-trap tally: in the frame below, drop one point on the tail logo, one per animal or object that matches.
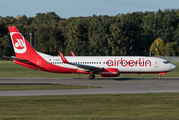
(18, 42)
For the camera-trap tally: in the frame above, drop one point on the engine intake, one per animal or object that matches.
(110, 72)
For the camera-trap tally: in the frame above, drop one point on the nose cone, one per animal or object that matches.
(172, 66)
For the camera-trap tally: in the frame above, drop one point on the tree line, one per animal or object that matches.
(124, 34)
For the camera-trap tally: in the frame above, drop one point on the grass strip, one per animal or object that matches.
(43, 87)
(164, 106)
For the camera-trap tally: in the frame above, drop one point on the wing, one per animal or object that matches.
(87, 67)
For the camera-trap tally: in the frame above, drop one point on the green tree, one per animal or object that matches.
(105, 34)
(5, 47)
(157, 46)
(77, 37)
(94, 36)
(117, 41)
(171, 49)
(147, 32)
(43, 37)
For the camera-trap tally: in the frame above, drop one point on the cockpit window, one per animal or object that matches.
(166, 62)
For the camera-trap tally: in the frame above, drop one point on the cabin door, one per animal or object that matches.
(156, 63)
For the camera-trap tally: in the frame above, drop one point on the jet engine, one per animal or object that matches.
(110, 72)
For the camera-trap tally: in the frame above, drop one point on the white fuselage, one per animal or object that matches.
(125, 64)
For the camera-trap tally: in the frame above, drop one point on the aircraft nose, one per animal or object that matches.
(173, 66)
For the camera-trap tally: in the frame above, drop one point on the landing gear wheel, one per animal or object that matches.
(158, 77)
(91, 77)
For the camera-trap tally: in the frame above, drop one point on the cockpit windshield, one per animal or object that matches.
(166, 62)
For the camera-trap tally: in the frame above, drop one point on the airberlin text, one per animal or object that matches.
(140, 62)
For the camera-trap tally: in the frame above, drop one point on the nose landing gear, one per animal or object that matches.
(158, 77)
(164, 73)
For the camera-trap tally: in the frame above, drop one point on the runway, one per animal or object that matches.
(110, 86)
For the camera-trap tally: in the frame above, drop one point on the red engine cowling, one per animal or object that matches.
(109, 72)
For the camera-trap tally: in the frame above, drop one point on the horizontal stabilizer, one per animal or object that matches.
(14, 57)
(21, 61)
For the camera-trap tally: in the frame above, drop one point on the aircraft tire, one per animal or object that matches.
(91, 77)
(159, 77)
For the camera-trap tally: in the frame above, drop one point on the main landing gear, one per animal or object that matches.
(92, 76)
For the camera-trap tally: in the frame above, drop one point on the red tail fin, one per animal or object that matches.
(21, 46)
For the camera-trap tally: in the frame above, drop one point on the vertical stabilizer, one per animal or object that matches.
(21, 46)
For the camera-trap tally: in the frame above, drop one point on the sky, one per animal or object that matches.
(76, 8)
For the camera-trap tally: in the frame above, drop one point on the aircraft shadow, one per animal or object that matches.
(125, 79)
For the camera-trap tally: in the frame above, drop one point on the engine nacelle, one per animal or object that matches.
(110, 72)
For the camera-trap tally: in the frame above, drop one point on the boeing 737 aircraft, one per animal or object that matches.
(106, 66)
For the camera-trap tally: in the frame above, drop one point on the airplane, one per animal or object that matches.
(106, 66)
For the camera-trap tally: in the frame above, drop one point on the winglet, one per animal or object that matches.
(72, 53)
(63, 58)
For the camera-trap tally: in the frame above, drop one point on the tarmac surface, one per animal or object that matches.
(110, 86)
